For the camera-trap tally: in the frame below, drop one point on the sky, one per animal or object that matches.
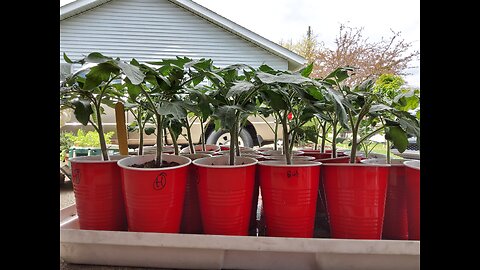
(286, 20)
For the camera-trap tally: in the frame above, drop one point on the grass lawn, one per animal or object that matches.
(380, 148)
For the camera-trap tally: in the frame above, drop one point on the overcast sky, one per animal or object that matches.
(289, 19)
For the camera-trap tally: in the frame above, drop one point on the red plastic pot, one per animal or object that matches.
(97, 188)
(339, 153)
(316, 154)
(355, 199)
(209, 149)
(253, 226)
(280, 153)
(191, 217)
(282, 157)
(289, 194)
(395, 224)
(226, 193)
(343, 159)
(154, 197)
(321, 205)
(412, 171)
(244, 151)
(255, 156)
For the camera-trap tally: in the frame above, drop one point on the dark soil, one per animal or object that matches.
(151, 164)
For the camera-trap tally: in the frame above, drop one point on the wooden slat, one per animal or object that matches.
(121, 128)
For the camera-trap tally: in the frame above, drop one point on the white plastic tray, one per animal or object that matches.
(196, 251)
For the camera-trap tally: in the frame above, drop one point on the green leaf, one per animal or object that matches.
(378, 107)
(218, 124)
(65, 57)
(314, 92)
(197, 80)
(283, 78)
(408, 122)
(130, 106)
(149, 130)
(83, 110)
(97, 57)
(339, 74)
(176, 128)
(132, 72)
(98, 74)
(306, 71)
(153, 79)
(275, 100)
(227, 116)
(307, 114)
(133, 90)
(338, 103)
(238, 88)
(215, 78)
(172, 108)
(267, 69)
(397, 136)
(132, 127)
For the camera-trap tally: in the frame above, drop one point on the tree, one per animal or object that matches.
(370, 59)
(307, 47)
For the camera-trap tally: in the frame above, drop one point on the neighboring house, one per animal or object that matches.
(150, 30)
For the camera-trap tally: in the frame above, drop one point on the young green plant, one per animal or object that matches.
(94, 85)
(289, 93)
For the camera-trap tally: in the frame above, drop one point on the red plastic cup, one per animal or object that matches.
(191, 217)
(154, 197)
(321, 208)
(226, 194)
(316, 154)
(343, 159)
(395, 224)
(252, 227)
(413, 198)
(289, 194)
(283, 158)
(97, 188)
(209, 149)
(355, 198)
(339, 153)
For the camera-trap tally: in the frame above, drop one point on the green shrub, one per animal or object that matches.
(65, 144)
(82, 139)
(88, 139)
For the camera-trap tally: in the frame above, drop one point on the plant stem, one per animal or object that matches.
(239, 127)
(202, 135)
(334, 141)
(141, 128)
(174, 141)
(233, 133)
(189, 136)
(294, 135)
(317, 129)
(158, 158)
(353, 152)
(101, 136)
(275, 139)
(286, 151)
(387, 144)
(140, 144)
(324, 137)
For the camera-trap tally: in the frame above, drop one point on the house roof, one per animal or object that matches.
(295, 61)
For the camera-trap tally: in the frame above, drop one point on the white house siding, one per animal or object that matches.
(149, 30)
